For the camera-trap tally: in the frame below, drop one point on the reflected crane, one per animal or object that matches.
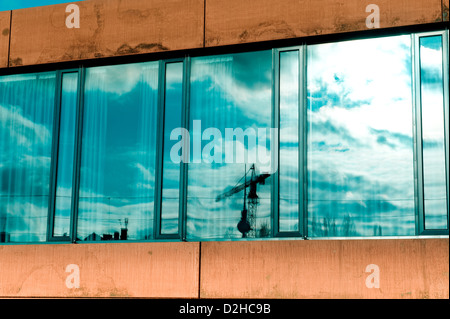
(247, 224)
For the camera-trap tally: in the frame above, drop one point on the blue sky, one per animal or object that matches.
(6, 5)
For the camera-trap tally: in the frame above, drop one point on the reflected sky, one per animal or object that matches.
(228, 91)
(360, 144)
(118, 152)
(26, 121)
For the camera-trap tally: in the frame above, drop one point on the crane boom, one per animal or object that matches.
(260, 179)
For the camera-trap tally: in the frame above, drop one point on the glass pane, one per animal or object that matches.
(118, 154)
(66, 148)
(289, 142)
(432, 95)
(26, 124)
(171, 170)
(230, 117)
(360, 143)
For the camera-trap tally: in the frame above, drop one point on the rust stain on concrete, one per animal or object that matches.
(119, 28)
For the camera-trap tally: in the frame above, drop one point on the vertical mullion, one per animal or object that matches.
(160, 165)
(276, 126)
(184, 166)
(303, 171)
(77, 153)
(445, 74)
(54, 158)
(417, 112)
(301, 142)
(160, 148)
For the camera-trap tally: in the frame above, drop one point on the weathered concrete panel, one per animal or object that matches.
(107, 28)
(241, 21)
(106, 270)
(4, 37)
(408, 268)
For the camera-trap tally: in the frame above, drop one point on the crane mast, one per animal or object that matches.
(247, 224)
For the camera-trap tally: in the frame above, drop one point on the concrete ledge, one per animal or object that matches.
(107, 28)
(237, 21)
(106, 270)
(126, 27)
(408, 268)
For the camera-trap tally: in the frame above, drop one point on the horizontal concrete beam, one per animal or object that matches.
(126, 27)
(240, 21)
(105, 270)
(406, 268)
(4, 37)
(107, 28)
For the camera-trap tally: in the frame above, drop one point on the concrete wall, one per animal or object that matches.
(408, 268)
(125, 27)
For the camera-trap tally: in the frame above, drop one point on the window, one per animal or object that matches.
(342, 139)
(26, 123)
(360, 138)
(432, 132)
(61, 205)
(230, 99)
(118, 153)
(172, 119)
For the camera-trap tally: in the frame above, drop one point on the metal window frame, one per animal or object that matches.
(160, 152)
(417, 123)
(54, 158)
(302, 147)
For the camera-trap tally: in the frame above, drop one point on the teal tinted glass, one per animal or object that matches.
(117, 178)
(360, 144)
(26, 123)
(230, 118)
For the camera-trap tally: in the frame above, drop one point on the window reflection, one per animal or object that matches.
(228, 91)
(432, 106)
(360, 145)
(26, 123)
(118, 153)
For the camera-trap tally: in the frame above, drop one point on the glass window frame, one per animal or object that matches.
(302, 169)
(54, 160)
(184, 118)
(418, 142)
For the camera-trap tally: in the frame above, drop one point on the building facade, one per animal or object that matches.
(225, 149)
